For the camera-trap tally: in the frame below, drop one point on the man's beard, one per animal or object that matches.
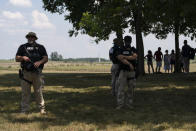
(31, 42)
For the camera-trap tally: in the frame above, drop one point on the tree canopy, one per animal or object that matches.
(100, 18)
(173, 16)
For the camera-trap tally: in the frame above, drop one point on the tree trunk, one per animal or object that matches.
(177, 63)
(139, 40)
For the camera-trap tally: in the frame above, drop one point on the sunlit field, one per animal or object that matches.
(78, 98)
(51, 66)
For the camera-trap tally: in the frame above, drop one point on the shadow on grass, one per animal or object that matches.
(85, 80)
(175, 107)
(73, 80)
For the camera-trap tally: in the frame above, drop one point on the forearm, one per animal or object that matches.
(124, 61)
(131, 57)
(44, 60)
(19, 58)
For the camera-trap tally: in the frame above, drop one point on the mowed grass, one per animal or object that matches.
(81, 67)
(60, 66)
(83, 102)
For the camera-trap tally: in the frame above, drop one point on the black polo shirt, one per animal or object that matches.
(34, 51)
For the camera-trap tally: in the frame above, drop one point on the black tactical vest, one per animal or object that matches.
(31, 51)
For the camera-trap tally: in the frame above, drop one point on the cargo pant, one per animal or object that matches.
(186, 63)
(37, 83)
(114, 72)
(127, 83)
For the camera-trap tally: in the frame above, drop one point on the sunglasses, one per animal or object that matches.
(31, 37)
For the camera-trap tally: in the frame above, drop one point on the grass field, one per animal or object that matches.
(78, 101)
(59, 66)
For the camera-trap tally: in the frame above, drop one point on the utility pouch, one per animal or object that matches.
(20, 74)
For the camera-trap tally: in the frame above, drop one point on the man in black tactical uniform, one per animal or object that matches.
(32, 56)
(115, 67)
(127, 67)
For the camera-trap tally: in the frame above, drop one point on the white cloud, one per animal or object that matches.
(24, 3)
(13, 22)
(2, 22)
(25, 22)
(41, 21)
(16, 31)
(13, 15)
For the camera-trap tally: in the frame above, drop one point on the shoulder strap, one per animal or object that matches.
(27, 50)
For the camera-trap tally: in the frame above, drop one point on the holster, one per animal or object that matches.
(21, 76)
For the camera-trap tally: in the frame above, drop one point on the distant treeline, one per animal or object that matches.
(84, 60)
(55, 56)
(90, 60)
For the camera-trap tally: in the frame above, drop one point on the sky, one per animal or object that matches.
(18, 17)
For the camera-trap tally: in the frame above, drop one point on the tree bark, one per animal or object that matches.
(177, 63)
(139, 39)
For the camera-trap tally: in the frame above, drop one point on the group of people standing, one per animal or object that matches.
(33, 56)
(124, 59)
(169, 60)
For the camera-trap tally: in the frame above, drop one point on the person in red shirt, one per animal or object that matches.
(158, 55)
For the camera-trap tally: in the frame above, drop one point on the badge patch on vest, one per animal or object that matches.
(30, 48)
(126, 52)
